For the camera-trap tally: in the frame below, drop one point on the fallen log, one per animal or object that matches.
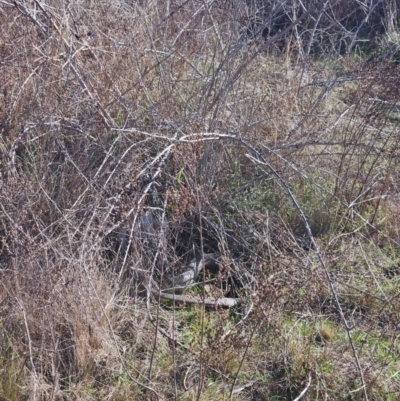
(198, 299)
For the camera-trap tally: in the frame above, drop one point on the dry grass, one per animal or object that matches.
(96, 96)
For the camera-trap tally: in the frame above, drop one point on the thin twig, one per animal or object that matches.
(305, 388)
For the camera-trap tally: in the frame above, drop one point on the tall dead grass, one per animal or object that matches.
(107, 105)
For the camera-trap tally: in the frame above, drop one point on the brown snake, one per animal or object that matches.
(188, 277)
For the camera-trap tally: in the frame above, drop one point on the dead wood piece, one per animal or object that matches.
(198, 299)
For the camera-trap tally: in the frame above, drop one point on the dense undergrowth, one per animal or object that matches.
(255, 129)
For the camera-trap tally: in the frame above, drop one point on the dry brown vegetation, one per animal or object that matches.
(255, 129)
